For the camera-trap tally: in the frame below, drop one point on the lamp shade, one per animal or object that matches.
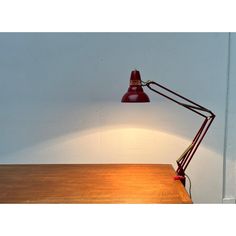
(135, 91)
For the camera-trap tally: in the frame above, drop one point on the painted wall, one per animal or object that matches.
(60, 100)
(230, 149)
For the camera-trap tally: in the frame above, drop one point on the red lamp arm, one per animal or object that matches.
(184, 160)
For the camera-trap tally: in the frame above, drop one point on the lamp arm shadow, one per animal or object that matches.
(184, 160)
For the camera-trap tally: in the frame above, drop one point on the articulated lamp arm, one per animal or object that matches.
(184, 160)
(135, 94)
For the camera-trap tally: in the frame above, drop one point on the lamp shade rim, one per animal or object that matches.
(135, 97)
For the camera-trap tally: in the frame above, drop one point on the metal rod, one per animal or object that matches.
(178, 95)
(181, 104)
(197, 145)
(184, 160)
(195, 140)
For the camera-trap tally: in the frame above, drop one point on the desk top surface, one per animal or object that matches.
(90, 183)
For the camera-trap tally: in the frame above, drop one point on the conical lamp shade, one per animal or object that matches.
(135, 91)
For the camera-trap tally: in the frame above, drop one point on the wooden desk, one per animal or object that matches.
(90, 183)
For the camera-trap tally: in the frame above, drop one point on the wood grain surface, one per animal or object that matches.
(90, 183)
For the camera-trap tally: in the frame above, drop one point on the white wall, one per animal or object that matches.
(230, 148)
(60, 100)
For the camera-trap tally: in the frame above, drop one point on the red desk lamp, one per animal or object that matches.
(135, 94)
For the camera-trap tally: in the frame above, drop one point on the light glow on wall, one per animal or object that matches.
(108, 144)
